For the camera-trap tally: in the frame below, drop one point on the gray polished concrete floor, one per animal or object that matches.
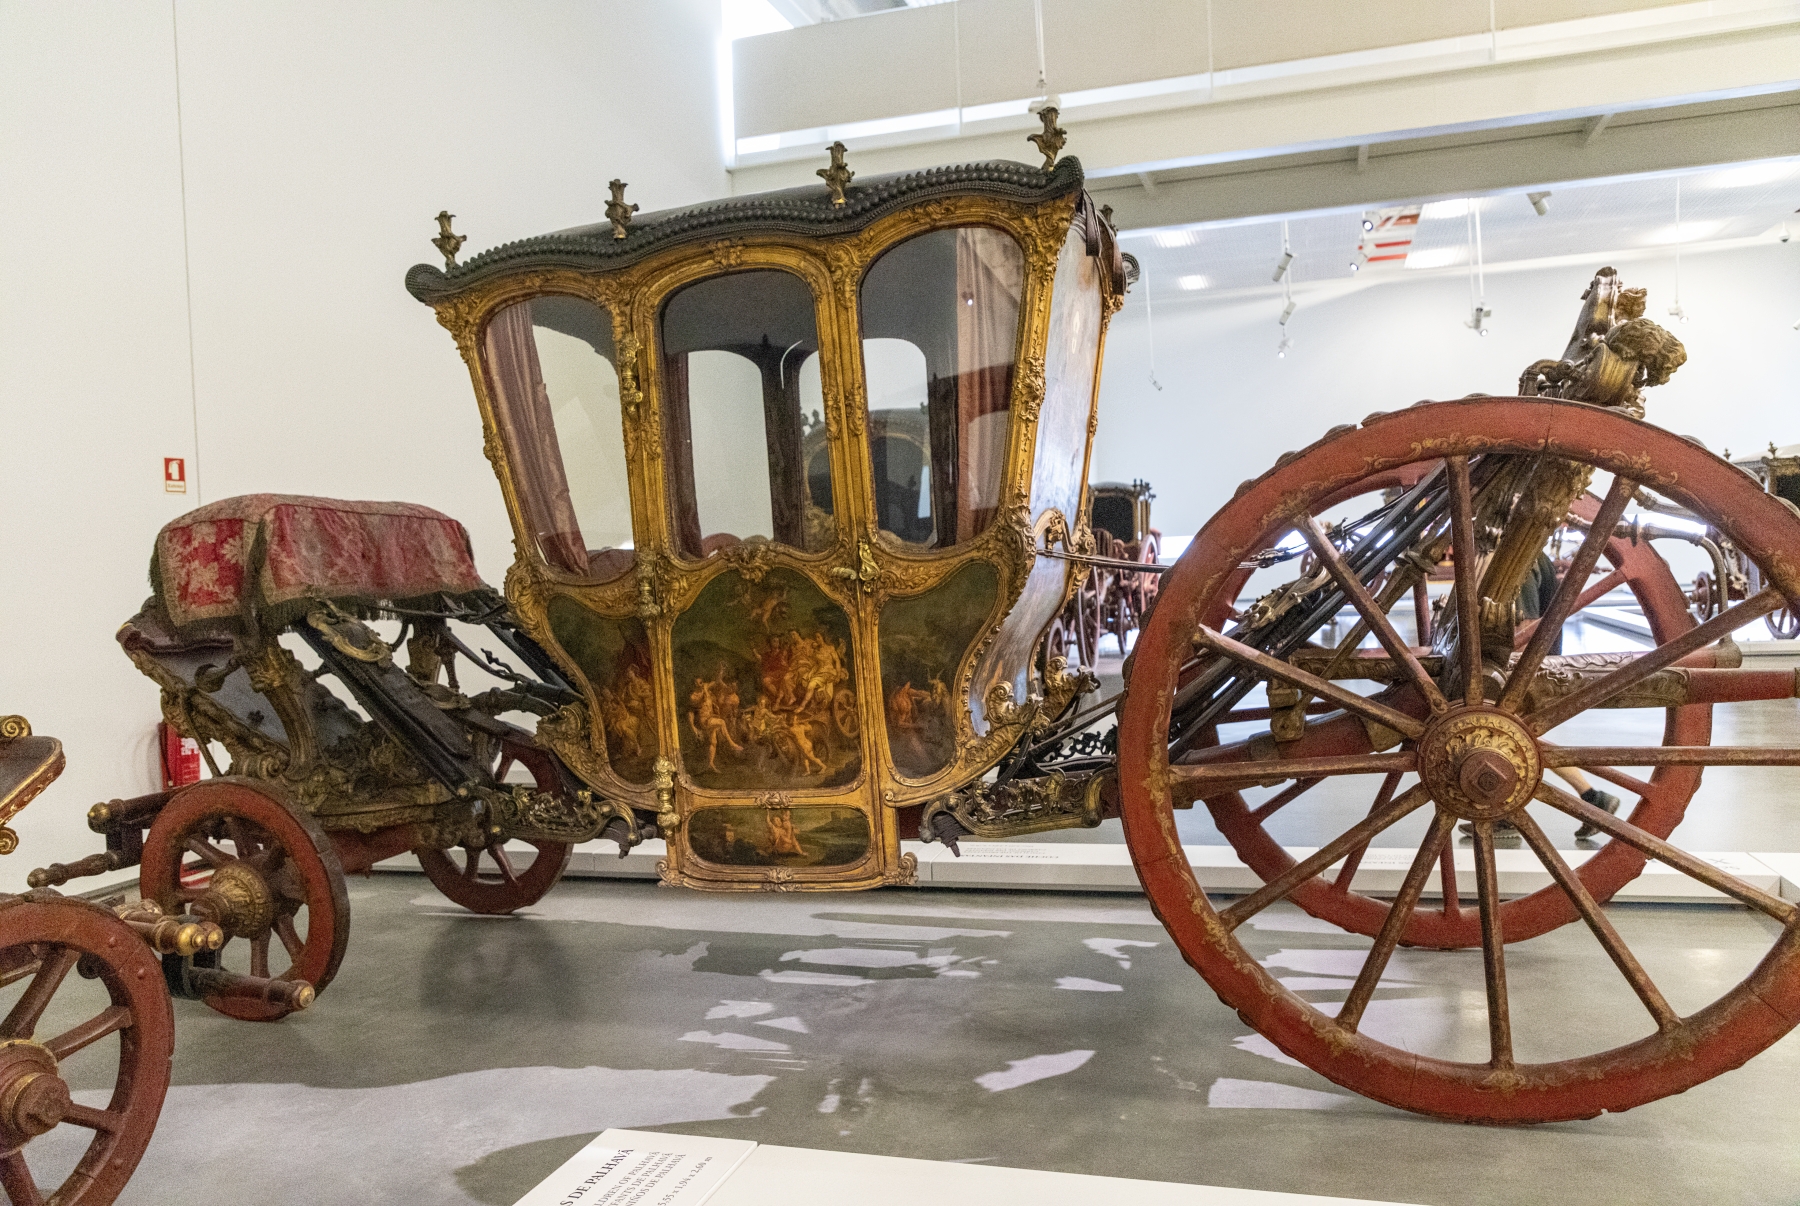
(459, 1059)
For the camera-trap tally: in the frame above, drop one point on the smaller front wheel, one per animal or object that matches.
(231, 851)
(497, 887)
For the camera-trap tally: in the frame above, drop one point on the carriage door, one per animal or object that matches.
(763, 654)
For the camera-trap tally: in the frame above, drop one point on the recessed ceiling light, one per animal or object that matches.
(1686, 232)
(1745, 175)
(1192, 282)
(1437, 257)
(1446, 209)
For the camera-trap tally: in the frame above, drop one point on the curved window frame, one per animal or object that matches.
(972, 505)
(817, 538)
(537, 469)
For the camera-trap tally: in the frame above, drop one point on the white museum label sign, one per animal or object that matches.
(641, 1168)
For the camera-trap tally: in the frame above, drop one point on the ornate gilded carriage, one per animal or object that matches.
(796, 485)
(777, 469)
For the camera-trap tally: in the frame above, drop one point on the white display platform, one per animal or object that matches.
(1106, 867)
(649, 1168)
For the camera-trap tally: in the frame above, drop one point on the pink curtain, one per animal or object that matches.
(990, 274)
(523, 409)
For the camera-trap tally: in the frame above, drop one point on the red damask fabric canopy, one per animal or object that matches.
(265, 550)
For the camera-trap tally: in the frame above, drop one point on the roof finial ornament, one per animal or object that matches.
(836, 177)
(447, 241)
(1050, 142)
(617, 212)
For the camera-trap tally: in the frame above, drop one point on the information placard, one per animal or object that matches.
(641, 1168)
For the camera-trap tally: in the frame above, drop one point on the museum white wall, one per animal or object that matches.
(1229, 406)
(319, 140)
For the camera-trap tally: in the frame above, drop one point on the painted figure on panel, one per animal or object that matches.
(770, 702)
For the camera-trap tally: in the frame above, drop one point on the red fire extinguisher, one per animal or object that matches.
(180, 758)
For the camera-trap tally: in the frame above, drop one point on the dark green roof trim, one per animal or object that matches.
(804, 211)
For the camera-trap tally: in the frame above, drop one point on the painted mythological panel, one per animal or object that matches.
(923, 640)
(774, 834)
(765, 686)
(614, 657)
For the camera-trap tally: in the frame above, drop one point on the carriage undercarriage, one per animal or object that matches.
(782, 708)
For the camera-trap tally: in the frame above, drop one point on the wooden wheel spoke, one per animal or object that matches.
(1421, 594)
(109, 1121)
(1562, 604)
(1300, 872)
(1447, 880)
(1371, 612)
(1662, 852)
(1399, 913)
(1493, 948)
(1207, 774)
(290, 939)
(259, 955)
(1286, 796)
(1618, 778)
(1467, 589)
(1353, 860)
(1597, 921)
(497, 852)
(1593, 594)
(210, 854)
(1596, 756)
(118, 1017)
(1345, 698)
(1666, 654)
(22, 1022)
(241, 837)
(16, 1179)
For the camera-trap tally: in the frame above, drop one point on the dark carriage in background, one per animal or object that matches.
(796, 484)
(1112, 596)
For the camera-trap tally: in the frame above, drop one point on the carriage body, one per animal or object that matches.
(778, 469)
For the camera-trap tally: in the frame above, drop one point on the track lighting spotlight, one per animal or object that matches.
(1478, 319)
(1287, 257)
(1287, 313)
(1355, 266)
(1281, 349)
(1537, 202)
(1677, 313)
(1368, 225)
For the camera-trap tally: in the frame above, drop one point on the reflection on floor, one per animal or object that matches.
(459, 1059)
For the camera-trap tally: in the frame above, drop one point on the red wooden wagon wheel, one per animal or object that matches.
(1477, 760)
(1661, 801)
(232, 851)
(485, 880)
(112, 1019)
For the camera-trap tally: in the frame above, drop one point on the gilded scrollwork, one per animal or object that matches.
(1014, 808)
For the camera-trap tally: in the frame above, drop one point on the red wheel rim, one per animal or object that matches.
(1681, 1051)
(483, 879)
(44, 938)
(292, 858)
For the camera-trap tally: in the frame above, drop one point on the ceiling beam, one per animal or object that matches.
(1520, 158)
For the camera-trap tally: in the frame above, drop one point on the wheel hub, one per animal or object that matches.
(1479, 763)
(238, 900)
(33, 1097)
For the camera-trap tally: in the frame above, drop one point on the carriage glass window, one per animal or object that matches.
(556, 398)
(741, 391)
(940, 322)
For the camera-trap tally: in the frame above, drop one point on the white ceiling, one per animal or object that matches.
(1620, 215)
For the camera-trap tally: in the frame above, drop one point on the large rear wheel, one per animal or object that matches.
(1461, 732)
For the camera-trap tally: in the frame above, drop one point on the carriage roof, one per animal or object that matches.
(807, 211)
